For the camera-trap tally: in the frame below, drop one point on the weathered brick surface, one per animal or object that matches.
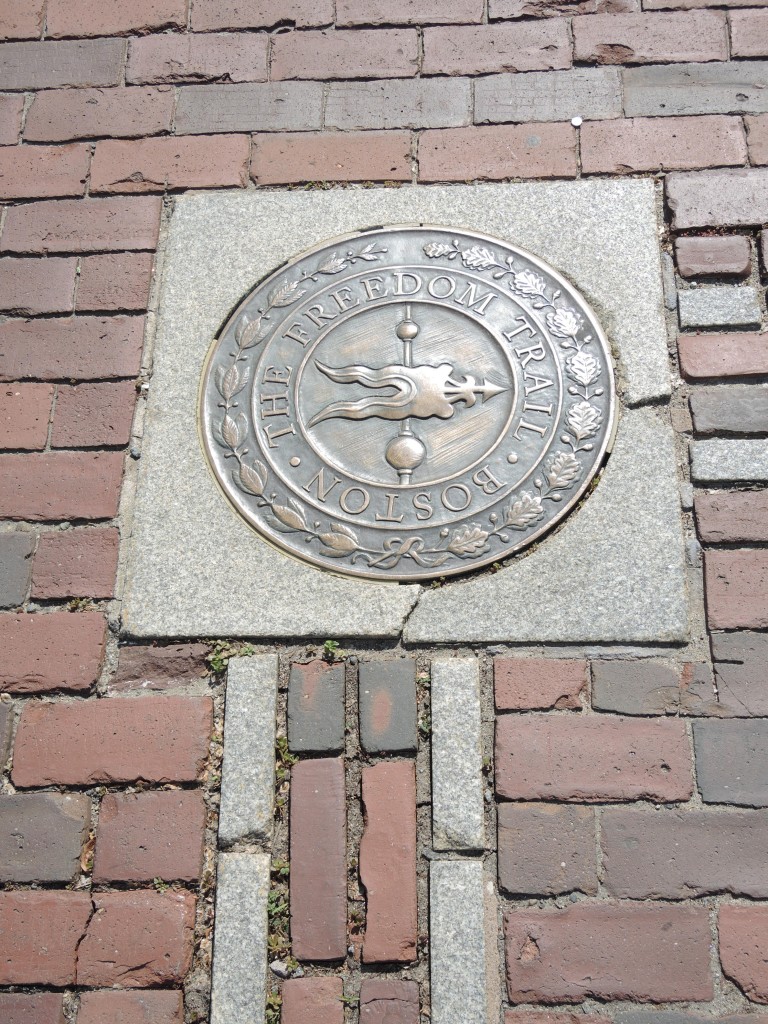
(749, 33)
(718, 198)
(158, 668)
(660, 90)
(732, 762)
(42, 835)
(740, 660)
(153, 165)
(408, 12)
(722, 355)
(25, 410)
(558, 1017)
(137, 939)
(650, 687)
(646, 951)
(399, 103)
(330, 156)
(549, 96)
(389, 53)
(16, 549)
(58, 651)
(736, 585)
(143, 836)
(387, 702)
(548, 8)
(37, 286)
(318, 860)
(37, 1008)
(93, 18)
(149, 1007)
(316, 708)
(11, 108)
(116, 282)
(6, 726)
(41, 932)
(713, 255)
(647, 144)
(591, 758)
(82, 225)
(486, 49)
(227, 57)
(60, 485)
(32, 171)
(545, 850)
(743, 934)
(650, 38)
(678, 854)
(157, 739)
(313, 999)
(388, 862)
(505, 151)
(77, 348)
(757, 141)
(521, 684)
(93, 415)
(384, 1001)
(22, 19)
(76, 563)
(60, 114)
(215, 14)
(733, 409)
(274, 106)
(50, 65)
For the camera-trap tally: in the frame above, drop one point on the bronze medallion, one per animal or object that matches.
(408, 402)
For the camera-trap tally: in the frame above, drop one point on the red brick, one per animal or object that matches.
(487, 49)
(115, 282)
(49, 65)
(388, 862)
(21, 19)
(498, 151)
(546, 850)
(41, 931)
(749, 33)
(11, 109)
(713, 255)
(143, 836)
(158, 668)
(223, 57)
(61, 114)
(318, 860)
(661, 144)
(728, 517)
(37, 286)
(25, 410)
(214, 14)
(153, 165)
(722, 355)
(94, 18)
(318, 1000)
(646, 951)
(743, 933)
(521, 684)
(157, 739)
(28, 172)
(137, 939)
(736, 585)
(650, 38)
(57, 651)
(60, 485)
(363, 53)
(331, 156)
(82, 225)
(76, 348)
(38, 1008)
(408, 12)
(757, 139)
(76, 563)
(93, 415)
(389, 1001)
(540, 757)
(158, 1007)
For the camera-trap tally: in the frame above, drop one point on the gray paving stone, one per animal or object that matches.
(721, 460)
(258, 107)
(719, 306)
(586, 583)
(457, 942)
(590, 93)
(316, 708)
(248, 768)
(15, 567)
(399, 103)
(734, 409)
(240, 939)
(387, 702)
(732, 761)
(42, 836)
(457, 755)
(735, 87)
(700, 199)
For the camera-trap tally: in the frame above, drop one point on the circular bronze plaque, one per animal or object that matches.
(408, 402)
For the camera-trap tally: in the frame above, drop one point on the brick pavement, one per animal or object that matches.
(630, 831)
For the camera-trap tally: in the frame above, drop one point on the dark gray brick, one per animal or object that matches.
(682, 1017)
(316, 708)
(399, 103)
(545, 850)
(15, 567)
(635, 687)
(732, 761)
(49, 65)
(590, 93)
(739, 87)
(730, 408)
(6, 725)
(387, 692)
(740, 666)
(269, 107)
(41, 836)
